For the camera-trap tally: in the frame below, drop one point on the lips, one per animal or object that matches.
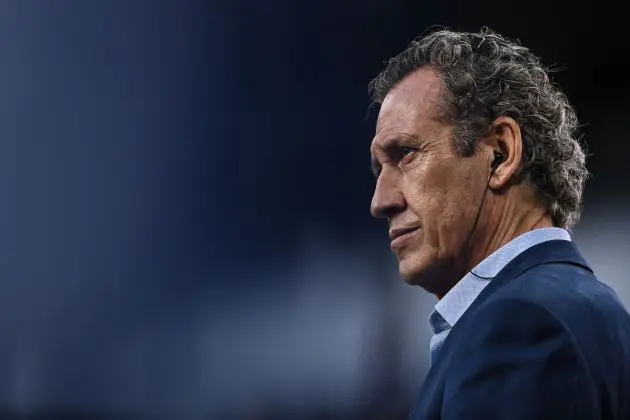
(398, 232)
(398, 237)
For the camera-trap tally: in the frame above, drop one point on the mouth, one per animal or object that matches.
(398, 235)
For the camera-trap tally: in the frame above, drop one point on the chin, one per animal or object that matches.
(409, 274)
(426, 273)
(413, 271)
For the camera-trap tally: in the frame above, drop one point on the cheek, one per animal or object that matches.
(444, 208)
(429, 201)
(458, 217)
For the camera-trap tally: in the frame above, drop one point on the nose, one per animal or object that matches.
(388, 198)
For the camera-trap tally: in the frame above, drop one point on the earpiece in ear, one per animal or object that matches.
(498, 159)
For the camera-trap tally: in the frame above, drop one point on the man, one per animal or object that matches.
(480, 177)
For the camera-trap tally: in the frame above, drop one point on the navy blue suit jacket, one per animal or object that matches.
(544, 340)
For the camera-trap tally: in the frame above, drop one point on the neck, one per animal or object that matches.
(505, 224)
(501, 226)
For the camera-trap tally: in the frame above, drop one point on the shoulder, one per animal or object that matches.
(558, 298)
(568, 293)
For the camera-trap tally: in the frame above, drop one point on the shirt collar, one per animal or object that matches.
(453, 305)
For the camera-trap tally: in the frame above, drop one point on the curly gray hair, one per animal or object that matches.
(486, 76)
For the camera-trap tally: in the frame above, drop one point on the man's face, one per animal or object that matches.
(428, 193)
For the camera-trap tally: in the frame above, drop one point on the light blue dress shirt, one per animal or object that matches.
(453, 305)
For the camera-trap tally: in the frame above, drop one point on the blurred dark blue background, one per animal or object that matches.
(184, 189)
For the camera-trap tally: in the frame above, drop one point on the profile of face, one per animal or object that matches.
(429, 194)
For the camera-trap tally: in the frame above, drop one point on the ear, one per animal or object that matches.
(504, 136)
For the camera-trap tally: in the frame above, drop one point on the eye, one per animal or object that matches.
(404, 151)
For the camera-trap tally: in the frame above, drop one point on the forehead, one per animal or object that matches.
(409, 106)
